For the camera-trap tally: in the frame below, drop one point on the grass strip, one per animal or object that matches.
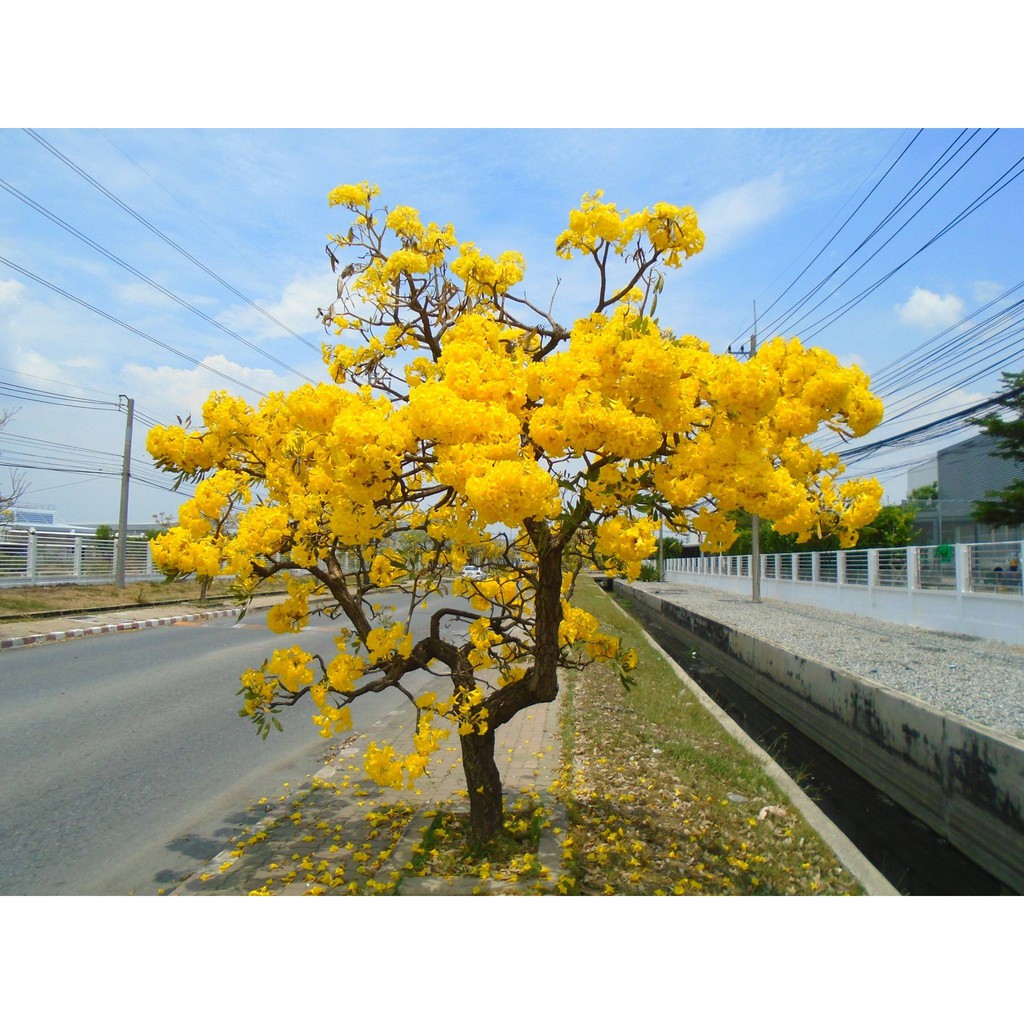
(662, 800)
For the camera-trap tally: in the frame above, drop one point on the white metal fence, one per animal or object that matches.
(37, 556)
(966, 588)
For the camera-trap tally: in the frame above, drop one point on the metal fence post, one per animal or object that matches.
(962, 567)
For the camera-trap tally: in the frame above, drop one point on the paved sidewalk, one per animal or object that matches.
(344, 835)
(75, 625)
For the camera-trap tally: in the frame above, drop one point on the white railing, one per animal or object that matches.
(37, 556)
(964, 588)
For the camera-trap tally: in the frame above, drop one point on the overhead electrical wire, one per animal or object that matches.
(51, 380)
(81, 236)
(940, 427)
(160, 234)
(206, 224)
(128, 327)
(23, 394)
(744, 334)
(787, 321)
(777, 325)
(978, 202)
(961, 355)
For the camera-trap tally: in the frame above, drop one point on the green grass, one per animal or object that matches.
(74, 597)
(663, 800)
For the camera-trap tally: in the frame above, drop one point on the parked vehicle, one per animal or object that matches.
(473, 572)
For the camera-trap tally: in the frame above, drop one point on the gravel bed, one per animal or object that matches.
(980, 680)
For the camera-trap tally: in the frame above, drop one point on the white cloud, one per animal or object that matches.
(10, 292)
(928, 309)
(726, 217)
(166, 391)
(986, 291)
(296, 307)
(45, 371)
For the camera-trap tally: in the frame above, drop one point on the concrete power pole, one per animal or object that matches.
(661, 549)
(755, 521)
(122, 520)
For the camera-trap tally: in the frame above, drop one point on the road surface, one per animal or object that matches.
(124, 764)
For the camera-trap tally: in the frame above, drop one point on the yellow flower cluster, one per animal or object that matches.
(671, 230)
(466, 709)
(344, 669)
(473, 404)
(387, 641)
(291, 667)
(389, 769)
(625, 543)
(446, 416)
(485, 275)
(483, 639)
(292, 614)
(331, 721)
(354, 196)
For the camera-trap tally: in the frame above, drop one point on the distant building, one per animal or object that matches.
(42, 517)
(964, 472)
(46, 519)
(922, 476)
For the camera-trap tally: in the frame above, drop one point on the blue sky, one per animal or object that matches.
(782, 210)
(225, 219)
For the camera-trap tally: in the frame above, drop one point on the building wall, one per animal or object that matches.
(965, 472)
(968, 469)
(922, 476)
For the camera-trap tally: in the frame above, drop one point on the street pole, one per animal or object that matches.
(661, 549)
(755, 521)
(122, 519)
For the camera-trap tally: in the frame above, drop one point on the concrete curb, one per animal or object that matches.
(873, 881)
(114, 627)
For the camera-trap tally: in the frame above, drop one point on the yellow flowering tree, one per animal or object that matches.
(460, 417)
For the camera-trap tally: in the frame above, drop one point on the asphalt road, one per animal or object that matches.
(124, 764)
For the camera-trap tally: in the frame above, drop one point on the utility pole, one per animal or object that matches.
(755, 521)
(122, 520)
(661, 549)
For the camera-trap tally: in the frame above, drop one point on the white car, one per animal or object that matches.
(473, 572)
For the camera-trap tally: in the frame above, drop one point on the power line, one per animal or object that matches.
(51, 380)
(209, 227)
(170, 241)
(978, 202)
(23, 394)
(775, 327)
(744, 334)
(830, 318)
(53, 218)
(936, 428)
(128, 327)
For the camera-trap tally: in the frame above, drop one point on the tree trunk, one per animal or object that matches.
(486, 807)
(540, 685)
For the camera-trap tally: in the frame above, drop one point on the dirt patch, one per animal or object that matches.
(32, 601)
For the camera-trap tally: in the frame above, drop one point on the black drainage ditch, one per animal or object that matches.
(916, 860)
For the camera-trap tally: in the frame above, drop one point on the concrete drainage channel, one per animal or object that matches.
(915, 858)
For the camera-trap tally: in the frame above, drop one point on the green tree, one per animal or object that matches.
(673, 547)
(893, 527)
(1005, 507)
(927, 492)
